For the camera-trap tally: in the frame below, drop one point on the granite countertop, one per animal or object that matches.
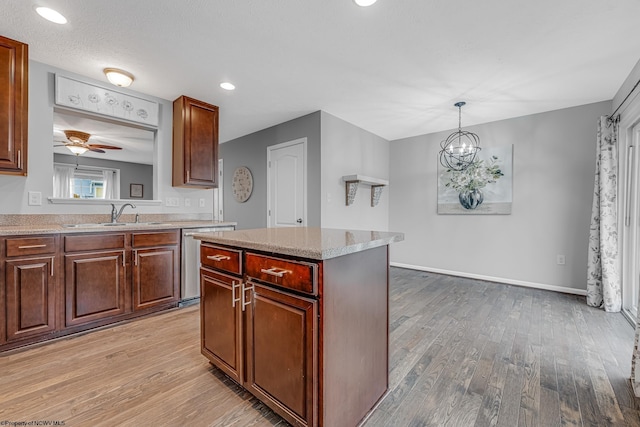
(303, 242)
(12, 230)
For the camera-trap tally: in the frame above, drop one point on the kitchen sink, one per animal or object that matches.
(112, 224)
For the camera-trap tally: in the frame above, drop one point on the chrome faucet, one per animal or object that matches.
(115, 214)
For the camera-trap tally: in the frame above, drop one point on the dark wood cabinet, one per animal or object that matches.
(195, 143)
(14, 84)
(282, 351)
(30, 287)
(95, 286)
(309, 338)
(221, 322)
(156, 269)
(58, 284)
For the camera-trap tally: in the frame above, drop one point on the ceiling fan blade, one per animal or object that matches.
(96, 150)
(106, 147)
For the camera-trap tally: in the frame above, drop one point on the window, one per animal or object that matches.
(85, 183)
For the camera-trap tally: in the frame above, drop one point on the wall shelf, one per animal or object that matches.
(351, 187)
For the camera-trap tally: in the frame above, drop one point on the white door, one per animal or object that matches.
(287, 184)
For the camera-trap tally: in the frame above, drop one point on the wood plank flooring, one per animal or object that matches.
(462, 353)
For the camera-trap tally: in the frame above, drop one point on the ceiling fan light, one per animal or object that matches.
(119, 77)
(77, 149)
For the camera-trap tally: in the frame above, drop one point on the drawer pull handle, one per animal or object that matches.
(31, 246)
(275, 271)
(234, 300)
(218, 257)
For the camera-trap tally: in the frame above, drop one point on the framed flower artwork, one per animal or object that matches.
(484, 188)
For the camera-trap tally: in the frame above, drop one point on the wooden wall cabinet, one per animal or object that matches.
(14, 98)
(30, 287)
(156, 269)
(195, 143)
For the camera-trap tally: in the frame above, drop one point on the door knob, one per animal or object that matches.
(299, 221)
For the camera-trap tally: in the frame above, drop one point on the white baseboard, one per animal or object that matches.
(555, 288)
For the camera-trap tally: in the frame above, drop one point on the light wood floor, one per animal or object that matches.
(462, 353)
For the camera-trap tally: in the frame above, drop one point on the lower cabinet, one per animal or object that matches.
(156, 269)
(221, 322)
(309, 338)
(282, 351)
(95, 286)
(54, 285)
(263, 337)
(30, 287)
(30, 297)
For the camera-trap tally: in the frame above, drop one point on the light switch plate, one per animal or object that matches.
(202, 203)
(35, 198)
(187, 202)
(172, 201)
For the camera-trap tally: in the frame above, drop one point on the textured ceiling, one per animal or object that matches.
(394, 69)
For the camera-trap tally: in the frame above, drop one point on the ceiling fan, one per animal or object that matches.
(78, 143)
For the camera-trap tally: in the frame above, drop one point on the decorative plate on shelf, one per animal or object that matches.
(242, 184)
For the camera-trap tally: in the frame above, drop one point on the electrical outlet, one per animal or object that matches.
(560, 259)
(202, 203)
(35, 198)
(172, 201)
(187, 202)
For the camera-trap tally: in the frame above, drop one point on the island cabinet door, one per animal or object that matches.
(95, 286)
(30, 297)
(282, 357)
(221, 322)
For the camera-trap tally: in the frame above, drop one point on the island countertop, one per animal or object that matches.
(304, 242)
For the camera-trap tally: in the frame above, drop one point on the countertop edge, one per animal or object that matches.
(301, 252)
(15, 230)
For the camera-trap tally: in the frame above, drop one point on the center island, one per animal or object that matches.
(299, 317)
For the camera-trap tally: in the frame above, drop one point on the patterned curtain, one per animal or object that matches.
(603, 270)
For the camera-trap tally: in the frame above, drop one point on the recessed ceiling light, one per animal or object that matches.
(51, 15)
(119, 77)
(227, 86)
(364, 3)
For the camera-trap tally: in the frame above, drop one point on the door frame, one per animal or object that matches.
(629, 205)
(271, 148)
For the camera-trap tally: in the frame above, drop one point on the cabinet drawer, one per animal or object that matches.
(295, 275)
(140, 240)
(218, 258)
(30, 246)
(93, 242)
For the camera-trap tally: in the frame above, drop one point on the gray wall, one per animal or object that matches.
(251, 151)
(554, 163)
(135, 173)
(347, 150)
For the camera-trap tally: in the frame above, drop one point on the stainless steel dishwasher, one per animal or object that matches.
(190, 283)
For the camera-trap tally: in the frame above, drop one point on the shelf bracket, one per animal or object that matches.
(376, 192)
(351, 188)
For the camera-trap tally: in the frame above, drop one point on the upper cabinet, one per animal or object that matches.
(14, 89)
(195, 143)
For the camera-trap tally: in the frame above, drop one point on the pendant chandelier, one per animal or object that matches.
(460, 148)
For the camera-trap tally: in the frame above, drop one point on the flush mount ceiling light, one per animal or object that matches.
(364, 3)
(227, 86)
(460, 148)
(119, 77)
(51, 15)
